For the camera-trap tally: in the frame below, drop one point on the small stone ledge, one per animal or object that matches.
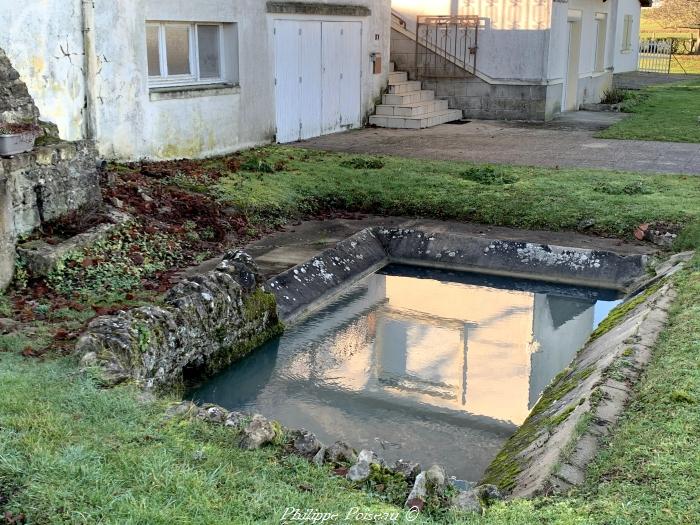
(551, 451)
(41, 258)
(309, 285)
(317, 8)
(204, 324)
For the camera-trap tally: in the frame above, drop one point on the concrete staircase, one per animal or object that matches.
(407, 106)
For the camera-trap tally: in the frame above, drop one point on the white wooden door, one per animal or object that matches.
(342, 70)
(332, 75)
(287, 85)
(318, 84)
(298, 79)
(311, 89)
(351, 86)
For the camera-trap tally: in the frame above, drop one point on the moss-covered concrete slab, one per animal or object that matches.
(550, 452)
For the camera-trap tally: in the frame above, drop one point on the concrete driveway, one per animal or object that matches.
(567, 141)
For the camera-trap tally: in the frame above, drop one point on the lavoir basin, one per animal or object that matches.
(429, 365)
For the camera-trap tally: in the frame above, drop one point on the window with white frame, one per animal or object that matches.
(185, 53)
(627, 33)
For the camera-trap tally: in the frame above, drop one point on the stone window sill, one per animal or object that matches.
(182, 92)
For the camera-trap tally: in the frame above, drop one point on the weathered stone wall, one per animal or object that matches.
(204, 324)
(16, 105)
(43, 184)
(7, 236)
(50, 181)
(308, 284)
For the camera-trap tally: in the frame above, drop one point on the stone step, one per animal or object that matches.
(424, 121)
(398, 77)
(416, 109)
(404, 87)
(408, 98)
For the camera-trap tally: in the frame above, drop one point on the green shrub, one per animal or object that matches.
(636, 187)
(257, 165)
(614, 96)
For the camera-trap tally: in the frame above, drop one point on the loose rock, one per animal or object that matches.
(320, 456)
(488, 493)
(235, 419)
(340, 452)
(435, 476)
(181, 409)
(407, 469)
(419, 493)
(359, 472)
(369, 456)
(259, 432)
(213, 414)
(466, 501)
(306, 443)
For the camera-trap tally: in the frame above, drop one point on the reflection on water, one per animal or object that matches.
(435, 366)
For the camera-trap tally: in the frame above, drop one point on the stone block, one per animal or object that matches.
(41, 257)
(205, 323)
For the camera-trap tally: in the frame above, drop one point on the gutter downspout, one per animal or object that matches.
(89, 68)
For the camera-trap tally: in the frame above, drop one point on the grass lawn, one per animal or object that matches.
(667, 113)
(307, 182)
(73, 453)
(686, 64)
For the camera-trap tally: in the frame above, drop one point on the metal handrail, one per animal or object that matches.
(453, 38)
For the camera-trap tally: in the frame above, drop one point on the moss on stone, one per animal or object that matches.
(504, 469)
(391, 485)
(619, 313)
(236, 352)
(555, 421)
(258, 304)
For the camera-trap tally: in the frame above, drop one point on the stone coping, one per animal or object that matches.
(308, 286)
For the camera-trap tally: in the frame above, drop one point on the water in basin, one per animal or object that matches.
(427, 365)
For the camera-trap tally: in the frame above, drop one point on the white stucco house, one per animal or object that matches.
(167, 79)
(163, 79)
(527, 59)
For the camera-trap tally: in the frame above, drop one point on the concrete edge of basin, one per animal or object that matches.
(550, 452)
(308, 286)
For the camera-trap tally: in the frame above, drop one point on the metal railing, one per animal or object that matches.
(446, 46)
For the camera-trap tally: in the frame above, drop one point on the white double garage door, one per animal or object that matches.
(318, 77)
